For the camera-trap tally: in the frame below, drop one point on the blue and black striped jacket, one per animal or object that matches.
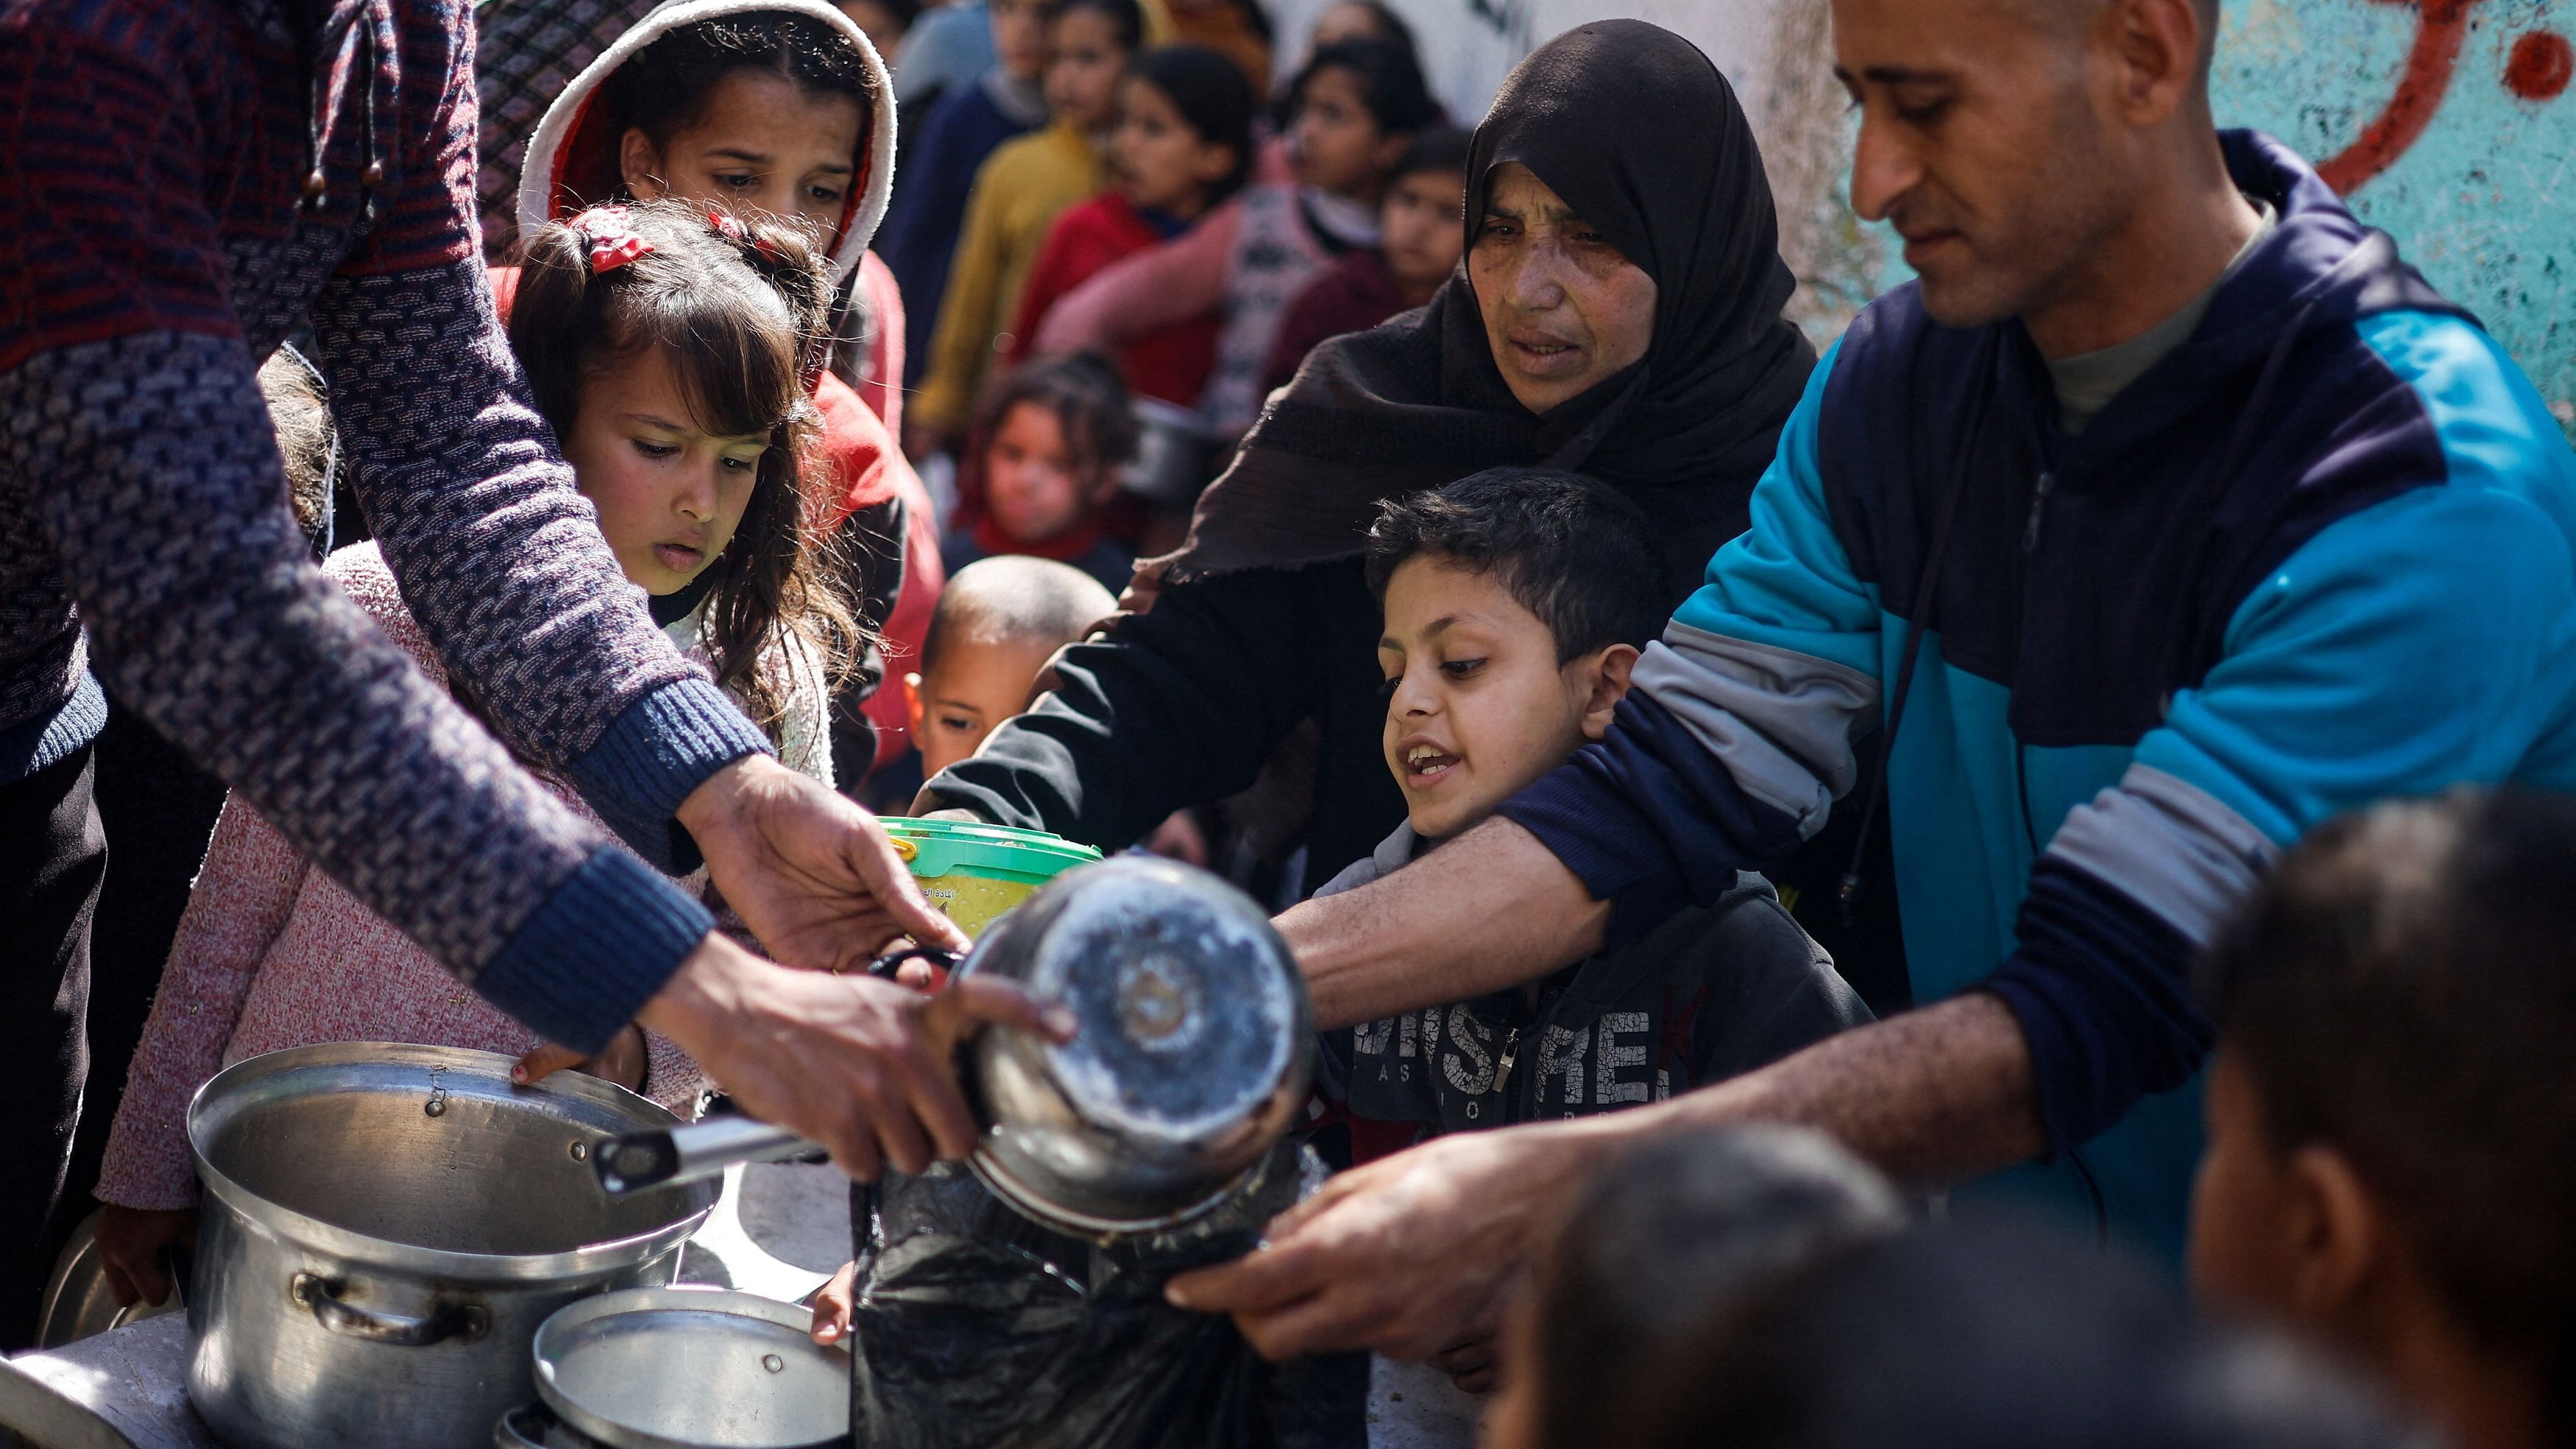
(2322, 553)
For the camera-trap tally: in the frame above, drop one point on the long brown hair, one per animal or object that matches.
(738, 307)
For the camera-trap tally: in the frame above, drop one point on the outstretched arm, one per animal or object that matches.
(1150, 290)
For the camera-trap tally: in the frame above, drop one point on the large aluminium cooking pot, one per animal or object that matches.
(1192, 1053)
(385, 1226)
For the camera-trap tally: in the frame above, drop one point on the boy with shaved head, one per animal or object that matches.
(2167, 513)
(998, 623)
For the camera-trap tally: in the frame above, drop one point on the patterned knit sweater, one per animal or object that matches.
(272, 954)
(152, 155)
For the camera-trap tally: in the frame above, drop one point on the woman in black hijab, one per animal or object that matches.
(1263, 621)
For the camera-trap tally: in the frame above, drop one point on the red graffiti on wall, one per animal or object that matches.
(2536, 70)
(2441, 26)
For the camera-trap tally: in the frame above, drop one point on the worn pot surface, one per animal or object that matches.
(1193, 1052)
(385, 1227)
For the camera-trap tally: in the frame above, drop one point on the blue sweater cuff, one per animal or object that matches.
(2098, 984)
(653, 755)
(49, 738)
(595, 952)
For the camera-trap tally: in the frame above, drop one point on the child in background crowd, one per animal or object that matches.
(1353, 110)
(1359, 20)
(1994, 1335)
(1183, 145)
(2391, 1168)
(885, 21)
(1026, 185)
(1515, 601)
(668, 353)
(1422, 231)
(940, 164)
(1657, 1242)
(999, 623)
(1239, 30)
(1045, 456)
(778, 107)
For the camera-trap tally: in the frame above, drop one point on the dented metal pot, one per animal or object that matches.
(1192, 1055)
(384, 1228)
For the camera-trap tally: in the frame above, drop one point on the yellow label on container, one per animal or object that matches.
(974, 902)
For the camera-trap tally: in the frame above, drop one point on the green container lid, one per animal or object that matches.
(996, 852)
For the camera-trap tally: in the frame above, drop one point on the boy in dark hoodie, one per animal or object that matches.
(2392, 1108)
(1515, 600)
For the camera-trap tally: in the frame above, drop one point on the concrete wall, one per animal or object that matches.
(2451, 123)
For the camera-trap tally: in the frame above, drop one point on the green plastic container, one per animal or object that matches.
(974, 873)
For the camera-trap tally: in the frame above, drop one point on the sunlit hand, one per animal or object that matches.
(833, 1304)
(623, 1061)
(811, 873)
(864, 1067)
(1409, 1256)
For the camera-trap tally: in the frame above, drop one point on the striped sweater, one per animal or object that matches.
(152, 157)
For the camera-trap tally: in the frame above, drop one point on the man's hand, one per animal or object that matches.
(864, 1067)
(1410, 1256)
(811, 873)
(1490, 910)
(130, 1241)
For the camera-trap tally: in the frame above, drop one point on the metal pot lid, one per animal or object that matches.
(692, 1368)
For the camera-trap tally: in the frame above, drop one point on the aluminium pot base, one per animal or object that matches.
(1025, 1201)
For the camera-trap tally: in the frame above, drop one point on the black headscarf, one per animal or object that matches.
(1642, 137)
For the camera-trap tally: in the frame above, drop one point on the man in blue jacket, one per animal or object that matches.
(2167, 514)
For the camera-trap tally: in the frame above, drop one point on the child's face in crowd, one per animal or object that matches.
(1335, 144)
(1019, 36)
(669, 496)
(883, 26)
(1034, 485)
(1424, 227)
(1477, 705)
(2297, 1238)
(980, 682)
(762, 144)
(2240, 1185)
(1083, 62)
(1160, 162)
(1563, 309)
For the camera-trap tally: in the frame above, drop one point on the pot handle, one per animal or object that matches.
(463, 1323)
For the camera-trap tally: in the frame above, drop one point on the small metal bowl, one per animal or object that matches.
(1193, 1052)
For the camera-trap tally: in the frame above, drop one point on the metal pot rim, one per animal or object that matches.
(384, 1254)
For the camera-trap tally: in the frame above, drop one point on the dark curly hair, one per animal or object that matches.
(1088, 399)
(1570, 550)
(1390, 82)
(739, 315)
(1212, 96)
(663, 89)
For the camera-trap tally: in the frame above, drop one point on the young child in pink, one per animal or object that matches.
(670, 349)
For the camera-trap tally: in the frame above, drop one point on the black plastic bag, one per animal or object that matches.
(976, 1328)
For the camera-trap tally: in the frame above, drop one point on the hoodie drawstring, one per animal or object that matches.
(353, 44)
